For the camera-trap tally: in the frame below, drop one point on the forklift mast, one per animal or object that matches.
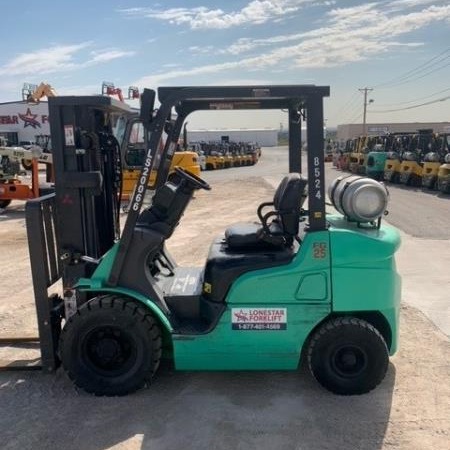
(70, 230)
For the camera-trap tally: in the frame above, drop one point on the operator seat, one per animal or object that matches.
(281, 230)
(255, 246)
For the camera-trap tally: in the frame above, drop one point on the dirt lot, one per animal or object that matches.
(226, 410)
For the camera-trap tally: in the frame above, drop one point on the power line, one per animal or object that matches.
(355, 118)
(444, 99)
(355, 107)
(351, 112)
(415, 100)
(416, 70)
(437, 69)
(347, 105)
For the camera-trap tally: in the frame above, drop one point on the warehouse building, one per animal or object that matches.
(350, 131)
(265, 137)
(21, 122)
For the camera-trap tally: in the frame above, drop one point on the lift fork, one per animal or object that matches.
(20, 365)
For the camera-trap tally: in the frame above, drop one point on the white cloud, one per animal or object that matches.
(255, 12)
(59, 58)
(108, 55)
(201, 50)
(345, 24)
(53, 59)
(348, 35)
(412, 3)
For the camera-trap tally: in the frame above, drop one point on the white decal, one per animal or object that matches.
(69, 135)
(259, 319)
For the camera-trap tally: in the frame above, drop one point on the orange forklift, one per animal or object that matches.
(12, 186)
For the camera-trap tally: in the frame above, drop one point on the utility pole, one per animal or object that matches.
(365, 90)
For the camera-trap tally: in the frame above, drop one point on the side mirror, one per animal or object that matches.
(147, 106)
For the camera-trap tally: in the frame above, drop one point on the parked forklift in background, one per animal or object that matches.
(410, 171)
(349, 148)
(269, 294)
(130, 133)
(443, 180)
(397, 146)
(213, 158)
(12, 184)
(376, 158)
(434, 159)
(357, 156)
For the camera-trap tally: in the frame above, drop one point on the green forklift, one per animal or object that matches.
(376, 157)
(297, 285)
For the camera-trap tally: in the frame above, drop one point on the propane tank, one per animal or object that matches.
(360, 199)
(431, 157)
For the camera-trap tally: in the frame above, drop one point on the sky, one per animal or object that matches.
(398, 48)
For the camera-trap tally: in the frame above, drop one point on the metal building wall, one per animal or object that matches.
(264, 137)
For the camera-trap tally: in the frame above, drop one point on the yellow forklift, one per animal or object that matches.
(214, 160)
(410, 171)
(227, 158)
(443, 179)
(253, 149)
(398, 143)
(434, 159)
(344, 159)
(130, 134)
(356, 158)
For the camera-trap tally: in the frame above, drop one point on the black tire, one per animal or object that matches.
(111, 346)
(348, 356)
(4, 203)
(27, 164)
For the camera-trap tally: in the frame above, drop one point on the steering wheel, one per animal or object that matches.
(194, 180)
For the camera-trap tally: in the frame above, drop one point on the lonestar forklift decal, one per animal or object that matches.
(259, 319)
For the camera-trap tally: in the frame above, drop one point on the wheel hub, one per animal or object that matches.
(349, 361)
(109, 350)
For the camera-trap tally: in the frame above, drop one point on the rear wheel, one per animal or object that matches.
(27, 164)
(111, 346)
(4, 203)
(348, 356)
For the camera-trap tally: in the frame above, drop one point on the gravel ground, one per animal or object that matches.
(225, 410)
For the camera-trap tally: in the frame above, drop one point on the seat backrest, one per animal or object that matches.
(288, 200)
(168, 206)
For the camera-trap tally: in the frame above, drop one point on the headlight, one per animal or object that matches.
(358, 198)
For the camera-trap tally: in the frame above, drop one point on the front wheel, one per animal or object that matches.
(27, 164)
(348, 356)
(4, 203)
(111, 346)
